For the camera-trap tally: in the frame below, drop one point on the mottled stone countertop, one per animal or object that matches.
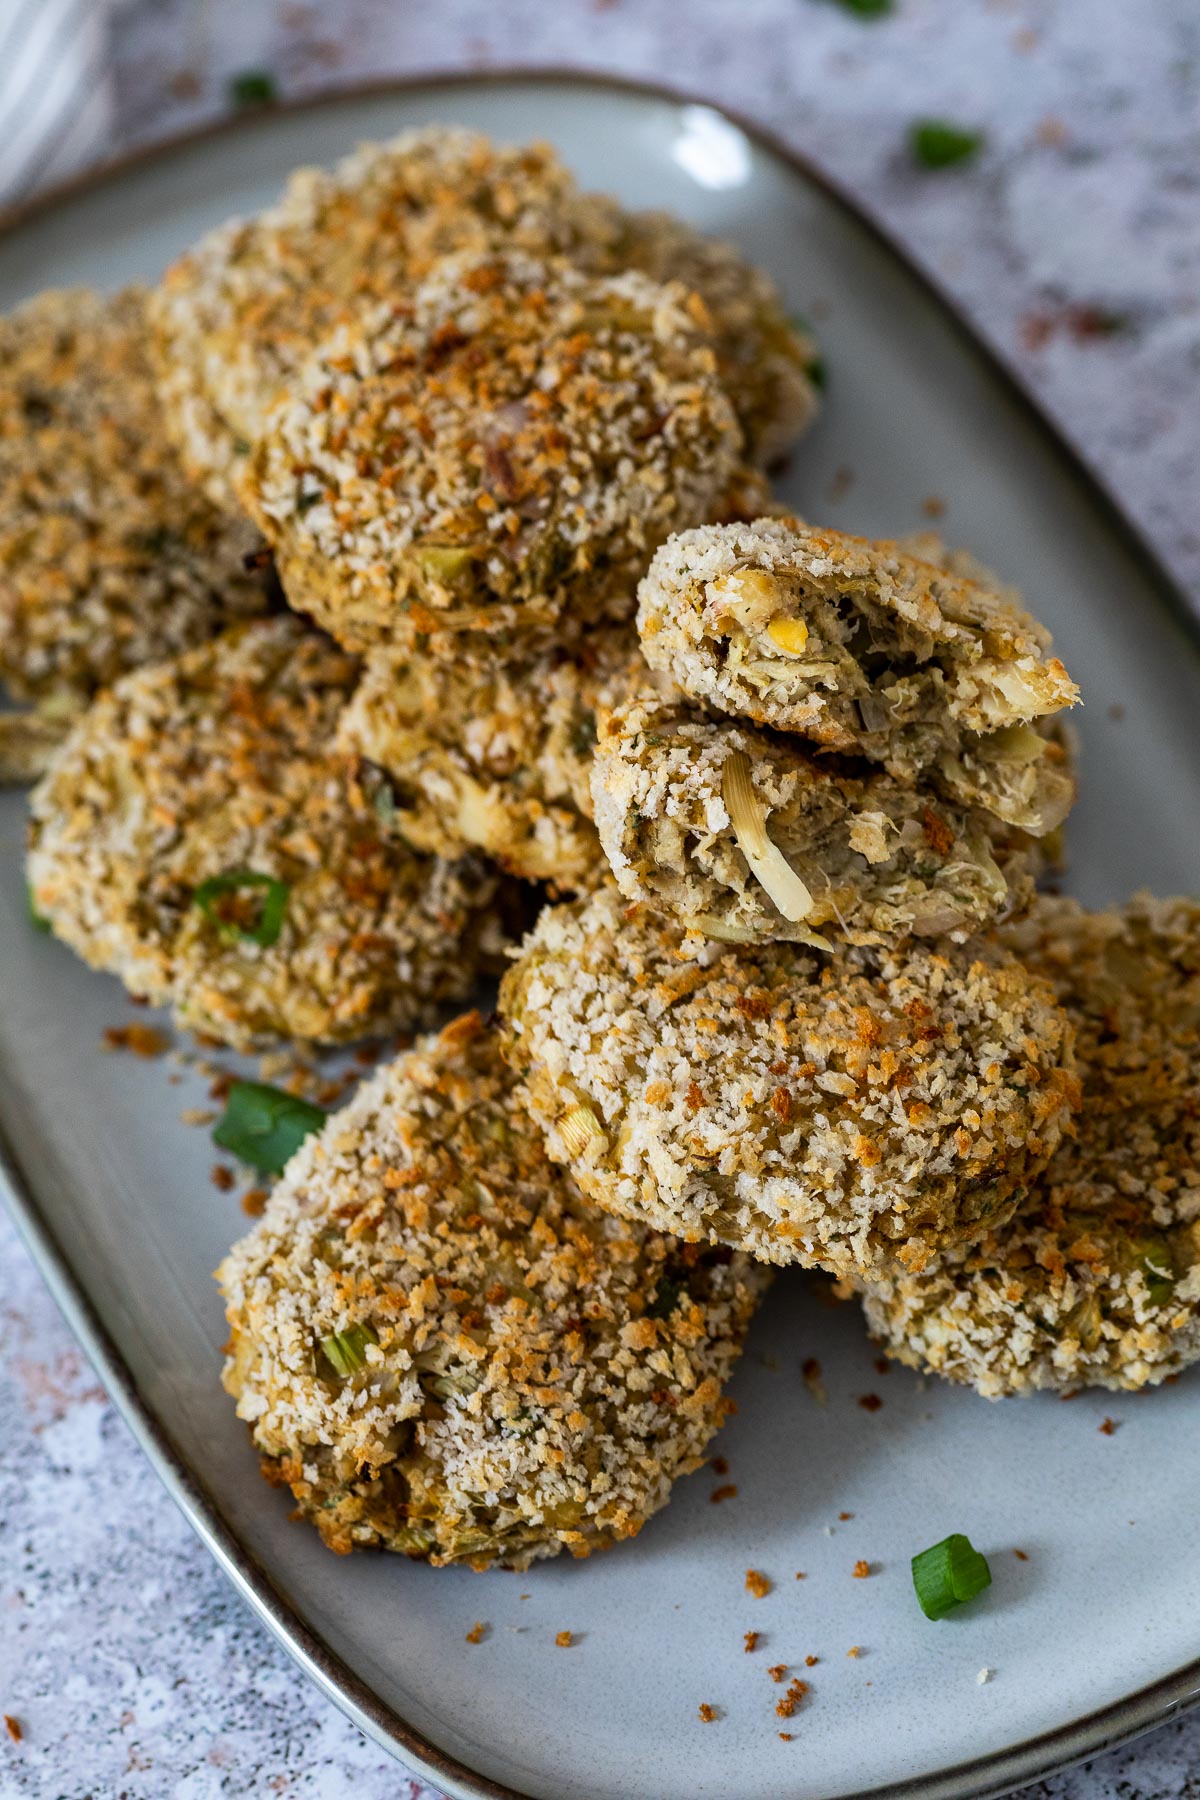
(1073, 242)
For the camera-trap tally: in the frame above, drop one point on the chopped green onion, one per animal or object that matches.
(938, 145)
(817, 372)
(253, 87)
(867, 9)
(264, 1126)
(949, 1574)
(270, 919)
(36, 919)
(345, 1351)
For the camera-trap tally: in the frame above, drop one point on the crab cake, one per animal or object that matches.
(868, 650)
(109, 558)
(745, 835)
(196, 837)
(1096, 1282)
(770, 365)
(518, 437)
(238, 313)
(493, 755)
(445, 1350)
(854, 1112)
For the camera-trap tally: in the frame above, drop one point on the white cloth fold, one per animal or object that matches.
(56, 91)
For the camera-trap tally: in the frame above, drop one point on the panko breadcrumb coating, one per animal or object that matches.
(868, 650)
(855, 1112)
(496, 756)
(1096, 1281)
(218, 766)
(445, 1350)
(109, 558)
(515, 438)
(746, 835)
(239, 312)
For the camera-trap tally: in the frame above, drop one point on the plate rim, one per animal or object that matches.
(981, 1778)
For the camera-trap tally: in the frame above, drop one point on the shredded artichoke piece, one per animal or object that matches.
(767, 862)
(578, 1128)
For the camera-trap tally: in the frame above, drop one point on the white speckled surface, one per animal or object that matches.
(128, 1662)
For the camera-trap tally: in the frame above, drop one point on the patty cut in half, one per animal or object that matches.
(745, 835)
(1096, 1282)
(496, 756)
(868, 650)
(855, 1112)
(445, 1350)
(109, 557)
(513, 441)
(197, 837)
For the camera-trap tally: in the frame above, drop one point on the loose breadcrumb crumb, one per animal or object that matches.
(983, 1675)
(707, 1713)
(1108, 1426)
(870, 1402)
(786, 1736)
(861, 1569)
(800, 1575)
(810, 1370)
(720, 1465)
(254, 1201)
(854, 1650)
(791, 1700)
(810, 1662)
(1021, 1555)
(477, 1632)
(13, 1728)
(751, 1641)
(197, 1115)
(564, 1640)
(777, 1671)
(727, 1492)
(143, 1040)
(757, 1583)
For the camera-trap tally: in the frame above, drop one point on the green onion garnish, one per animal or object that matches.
(264, 1126)
(938, 145)
(667, 1296)
(253, 87)
(36, 919)
(345, 1350)
(209, 895)
(867, 9)
(949, 1574)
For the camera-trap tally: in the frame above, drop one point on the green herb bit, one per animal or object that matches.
(667, 1296)
(948, 1575)
(345, 1351)
(264, 1126)
(210, 894)
(867, 9)
(936, 144)
(36, 919)
(253, 87)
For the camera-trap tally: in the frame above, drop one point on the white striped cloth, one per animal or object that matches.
(56, 91)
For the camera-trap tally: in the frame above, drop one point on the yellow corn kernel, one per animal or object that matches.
(789, 635)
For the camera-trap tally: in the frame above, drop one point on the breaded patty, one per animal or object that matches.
(197, 837)
(496, 756)
(240, 311)
(445, 1350)
(1096, 1282)
(855, 1112)
(516, 439)
(867, 650)
(109, 557)
(745, 835)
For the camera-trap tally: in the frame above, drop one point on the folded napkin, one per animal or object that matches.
(56, 91)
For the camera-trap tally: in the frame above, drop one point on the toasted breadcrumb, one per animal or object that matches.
(777, 1671)
(751, 1641)
(564, 1640)
(707, 1713)
(855, 1650)
(728, 1491)
(1107, 1427)
(13, 1728)
(861, 1569)
(477, 1632)
(143, 1040)
(757, 1583)
(870, 1402)
(786, 1706)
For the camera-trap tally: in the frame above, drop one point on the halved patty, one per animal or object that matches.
(445, 1350)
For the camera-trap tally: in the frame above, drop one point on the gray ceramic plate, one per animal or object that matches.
(1095, 1636)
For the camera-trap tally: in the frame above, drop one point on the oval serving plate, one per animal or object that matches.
(1086, 1640)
